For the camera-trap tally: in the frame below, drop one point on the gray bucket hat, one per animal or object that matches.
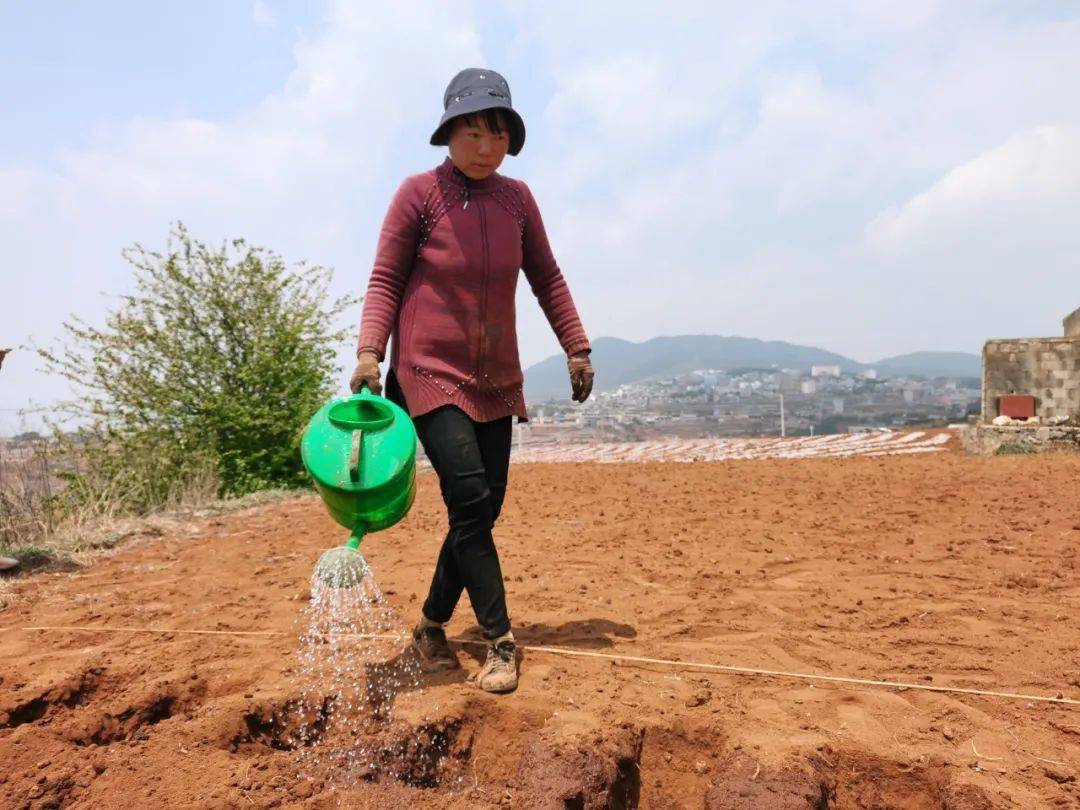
(473, 90)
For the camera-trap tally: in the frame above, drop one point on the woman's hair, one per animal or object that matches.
(490, 117)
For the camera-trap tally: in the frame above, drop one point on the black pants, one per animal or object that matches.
(472, 460)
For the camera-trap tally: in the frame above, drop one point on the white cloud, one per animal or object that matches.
(760, 150)
(1029, 183)
(335, 117)
(708, 167)
(307, 170)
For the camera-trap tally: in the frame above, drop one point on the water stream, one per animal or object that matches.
(355, 663)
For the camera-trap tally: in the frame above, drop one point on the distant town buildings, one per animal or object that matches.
(712, 402)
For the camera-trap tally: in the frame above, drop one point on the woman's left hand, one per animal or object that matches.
(581, 375)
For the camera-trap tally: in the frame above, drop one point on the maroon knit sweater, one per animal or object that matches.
(445, 274)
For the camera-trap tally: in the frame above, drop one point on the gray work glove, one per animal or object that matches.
(366, 371)
(581, 375)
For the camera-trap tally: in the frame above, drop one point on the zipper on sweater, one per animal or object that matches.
(466, 205)
(483, 299)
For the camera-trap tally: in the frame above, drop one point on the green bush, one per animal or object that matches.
(208, 372)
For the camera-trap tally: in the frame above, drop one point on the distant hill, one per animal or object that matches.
(931, 364)
(621, 362)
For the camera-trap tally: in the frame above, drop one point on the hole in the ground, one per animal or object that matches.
(70, 693)
(626, 789)
(160, 709)
(858, 780)
(420, 756)
(28, 712)
(286, 727)
(109, 728)
(352, 746)
(79, 689)
(853, 781)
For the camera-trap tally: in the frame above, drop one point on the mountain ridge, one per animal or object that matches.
(622, 362)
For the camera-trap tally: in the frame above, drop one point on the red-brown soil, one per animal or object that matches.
(934, 569)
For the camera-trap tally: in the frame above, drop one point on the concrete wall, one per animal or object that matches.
(1047, 368)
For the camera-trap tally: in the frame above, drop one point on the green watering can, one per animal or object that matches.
(361, 454)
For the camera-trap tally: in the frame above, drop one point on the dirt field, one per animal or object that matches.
(932, 569)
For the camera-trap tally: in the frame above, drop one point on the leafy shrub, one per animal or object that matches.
(202, 378)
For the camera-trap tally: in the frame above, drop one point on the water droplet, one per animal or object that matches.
(355, 663)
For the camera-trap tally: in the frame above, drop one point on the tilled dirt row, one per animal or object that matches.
(935, 569)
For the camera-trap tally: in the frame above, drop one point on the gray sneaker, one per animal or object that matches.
(500, 672)
(432, 649)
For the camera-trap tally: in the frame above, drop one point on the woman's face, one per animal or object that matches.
(475, 149)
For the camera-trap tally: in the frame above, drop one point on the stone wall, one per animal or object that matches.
(1047, 368)
(1072, 324)
(988, 440)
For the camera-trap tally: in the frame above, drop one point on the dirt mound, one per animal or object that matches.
(746, 788)
(853, 782)
(591, 771)
(929, 569)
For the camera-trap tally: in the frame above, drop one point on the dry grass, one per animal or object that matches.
(42, 529)
(79, 542)
(28, 508)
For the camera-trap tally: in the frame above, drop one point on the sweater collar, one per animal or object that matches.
(454, 175)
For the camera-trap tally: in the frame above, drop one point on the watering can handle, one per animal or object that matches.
(357, 439)
(354, 455)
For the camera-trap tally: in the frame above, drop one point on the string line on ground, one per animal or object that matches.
(669, 662)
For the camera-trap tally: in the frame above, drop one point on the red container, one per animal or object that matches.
(1017, 406)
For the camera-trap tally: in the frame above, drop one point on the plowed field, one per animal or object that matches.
(931, 569)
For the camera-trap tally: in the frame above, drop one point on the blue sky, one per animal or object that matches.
(71, 65)
(869, 177)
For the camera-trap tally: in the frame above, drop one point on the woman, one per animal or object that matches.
(446, 269)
